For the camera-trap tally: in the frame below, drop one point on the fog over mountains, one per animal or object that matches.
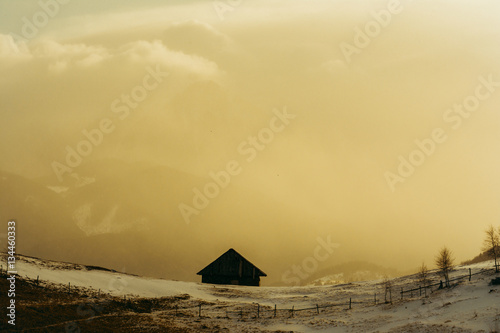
(151, 137)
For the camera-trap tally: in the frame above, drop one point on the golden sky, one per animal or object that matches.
(391, 145)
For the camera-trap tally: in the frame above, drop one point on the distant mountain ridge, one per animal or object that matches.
(350, 272)
(483, 256)
(128, 219)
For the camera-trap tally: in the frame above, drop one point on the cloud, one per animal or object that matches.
(61, 57)
(197, 37)
(10, 49)
(195, 31)
(157, 53)
(53, 89)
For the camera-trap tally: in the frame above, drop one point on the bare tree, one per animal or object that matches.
(423, 275)
(444, 263)
(491, 244)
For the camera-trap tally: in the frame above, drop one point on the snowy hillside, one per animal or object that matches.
(466, 307)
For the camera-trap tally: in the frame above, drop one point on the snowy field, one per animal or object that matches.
(468, 306)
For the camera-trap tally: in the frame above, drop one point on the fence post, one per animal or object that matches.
(317, 308)
(199, 310)
(420, 289)
(37, 279)
(274, 310)
(401, 292)
(258, 310)
(349, 303)
(293, 307)
(470, 274)
(69, 288)
(425, 291)
(375, 298)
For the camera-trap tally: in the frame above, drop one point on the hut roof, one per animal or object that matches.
(228, 264)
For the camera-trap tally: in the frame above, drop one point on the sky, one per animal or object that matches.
(375, 123)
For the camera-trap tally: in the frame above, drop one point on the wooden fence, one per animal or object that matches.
(256, 311)
(439, 284)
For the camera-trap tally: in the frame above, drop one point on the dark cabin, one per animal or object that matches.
(231, 268)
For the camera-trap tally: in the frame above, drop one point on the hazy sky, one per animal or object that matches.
(392, 145)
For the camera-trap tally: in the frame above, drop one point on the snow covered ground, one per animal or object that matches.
(469, 306)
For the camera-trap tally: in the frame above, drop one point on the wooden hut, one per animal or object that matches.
(231, 268)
